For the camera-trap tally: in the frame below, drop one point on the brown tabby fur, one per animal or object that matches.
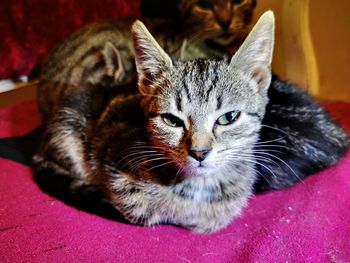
(92, 111)
(88, 56)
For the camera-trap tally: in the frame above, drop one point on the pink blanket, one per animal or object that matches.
(309, 222)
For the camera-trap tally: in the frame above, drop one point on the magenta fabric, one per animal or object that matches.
(309, 222)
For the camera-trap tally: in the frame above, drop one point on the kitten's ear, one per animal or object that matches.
(151, 60)
(114, 64)
(255, 55)
(113, 60)
(103, 62)
(183, 50)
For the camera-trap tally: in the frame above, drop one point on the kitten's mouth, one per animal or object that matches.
(225, 39)
(222, 41)
(201, 165)
(198, 169)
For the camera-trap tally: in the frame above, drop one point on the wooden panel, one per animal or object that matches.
(327, 61)
(330, 28)
(294, 58)
(301, 65)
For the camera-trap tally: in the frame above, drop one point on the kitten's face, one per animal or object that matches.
(205, 115)
(220, 21)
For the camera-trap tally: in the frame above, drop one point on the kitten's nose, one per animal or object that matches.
(225, 24)
(199, 155)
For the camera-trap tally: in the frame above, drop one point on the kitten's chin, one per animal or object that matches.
(195, 168)
(224, 39)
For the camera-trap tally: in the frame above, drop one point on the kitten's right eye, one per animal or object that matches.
(228, 118)
(172, 120)
(204, 4)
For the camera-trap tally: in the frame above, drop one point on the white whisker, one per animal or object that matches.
(157, 166)
(274, 140)
(286, 164)
(136, 153)
(274, 128)
(147, 160)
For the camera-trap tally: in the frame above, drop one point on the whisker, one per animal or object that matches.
(139, 156)
(274, 140)
(271, 145)
(136, 153)
(260, 173)
(286, 164)
(274, 128)
(152, 168)
(267, 150)
(145, 147)
(262, 156)
(257, 157)
(179, 171)
(147, 161)
(256, 162)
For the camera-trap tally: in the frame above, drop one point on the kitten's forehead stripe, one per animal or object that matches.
(213, 84)
(200, 80)
(202, 66)
(185, 86)
(218, 102)
(178, 101)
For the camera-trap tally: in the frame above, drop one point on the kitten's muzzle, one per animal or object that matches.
(225, 24)
(199, 155)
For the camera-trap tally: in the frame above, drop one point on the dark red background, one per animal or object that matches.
(29, 27)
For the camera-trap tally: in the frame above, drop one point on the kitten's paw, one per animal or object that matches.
(43, 164)
(206, 229)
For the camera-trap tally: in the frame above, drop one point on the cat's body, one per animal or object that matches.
(110, 148)
(100, 131)
(156, 159)
(298, 138)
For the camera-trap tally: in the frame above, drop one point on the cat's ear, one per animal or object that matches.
(183, 55)
(103, 62)
(151, 60)
(254, 57)
(113, 61)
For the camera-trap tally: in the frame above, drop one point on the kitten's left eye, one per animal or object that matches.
(236, 1)
(205, 4)
(172, 120)
(228, 118)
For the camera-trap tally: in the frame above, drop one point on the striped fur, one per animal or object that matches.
(119, 139)
(159, 150)
(222, 24)
(102, 52)
(298, 138)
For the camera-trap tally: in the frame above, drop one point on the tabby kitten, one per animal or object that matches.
(196, 29)
(221, 24)
(180, 150)
(201, 28)
(102, 54)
